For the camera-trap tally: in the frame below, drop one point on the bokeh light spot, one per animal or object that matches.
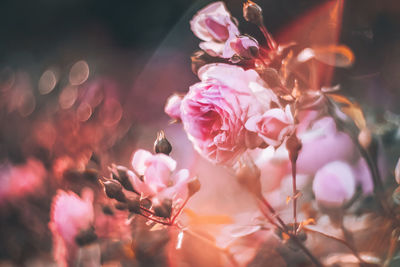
(79, 73)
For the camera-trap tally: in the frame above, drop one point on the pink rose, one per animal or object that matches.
(69, 215)
(272, 126)
(334, 184)
(214, 110)
(213, 24)
(157, 176)
(173, 106)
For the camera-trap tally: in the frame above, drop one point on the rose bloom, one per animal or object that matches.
(69, 215)
(272, 126)
(158, 176)
(213, 24)
(214, 110)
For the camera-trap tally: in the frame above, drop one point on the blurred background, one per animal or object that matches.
(85, 82)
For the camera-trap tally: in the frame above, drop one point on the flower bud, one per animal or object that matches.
(245, 47)
(193, 187)
(161, 145)
(146, 202)
(121, 175)
(164, 210)
(134, 205)
(113, 190)
(293, 145)
(86, 237)
(365, 138)
(107, 210)
(121, 206)
(252, 13)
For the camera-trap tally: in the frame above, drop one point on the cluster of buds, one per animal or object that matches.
(150, 188)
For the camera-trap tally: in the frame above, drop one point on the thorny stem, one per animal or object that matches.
(344, 242)
(392, 249)
(179, 210)
(286, 230)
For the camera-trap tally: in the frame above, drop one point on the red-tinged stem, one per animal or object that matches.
(286, 230)
(294, 197)
(156, 220)
(180, 210)
(270, 40)
(273, 212)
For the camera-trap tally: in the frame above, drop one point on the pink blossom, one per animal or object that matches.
(334, 184)
(68, 216)
(173, 106)
(272, 126)
(213, 25)
(20, 180)
(322, 144)
(157, 177)
(214, 110)
(242, 46)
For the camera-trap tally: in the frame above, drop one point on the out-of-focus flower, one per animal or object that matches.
(69, 216)
(19, 180)
(322, 144)
(334, 184)
(213, 24)
(243, 46)
(173, 106)
(156, 177)
(272, 126)
(214, 110)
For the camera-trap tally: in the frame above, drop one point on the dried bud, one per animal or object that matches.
(161, 145)
(134, 205)
(293, 145)
(121, 206)
(252, 13)
(145, 202)
(121, 175)
(193, 187)
(107, 210)
(113, 190)
(86, 237)
(164, 210)
(248, 175)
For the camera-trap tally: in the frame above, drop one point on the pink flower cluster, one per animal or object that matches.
(229, 111)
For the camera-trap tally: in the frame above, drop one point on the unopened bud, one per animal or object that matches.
(193, 187)
(107, 210)
(121, 206)
(252, 13)
(86, 237)
(134, 205)
(164, 210)
(161, 145)
(113, 190)
(121, 175)
(293, 145)
(146, 203)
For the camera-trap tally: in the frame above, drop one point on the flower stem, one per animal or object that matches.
(270, 40)
(348, 245)
(294, 197)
